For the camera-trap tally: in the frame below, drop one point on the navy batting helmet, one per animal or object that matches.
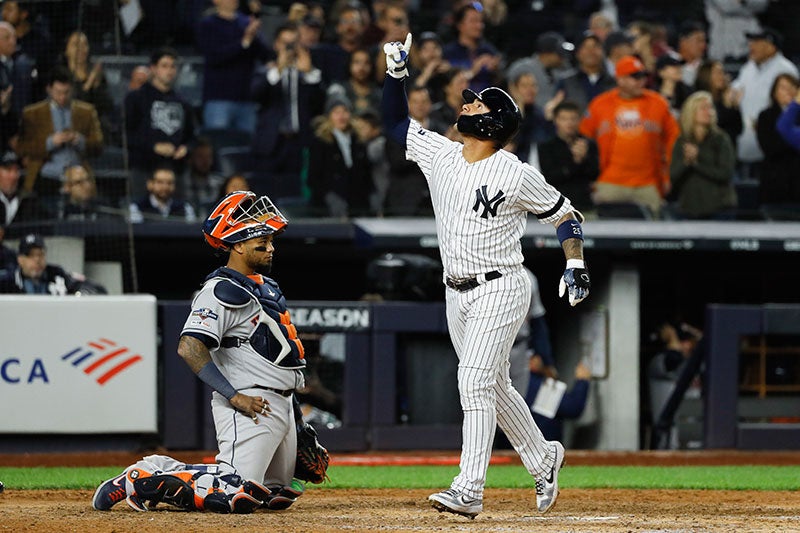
(499, 124)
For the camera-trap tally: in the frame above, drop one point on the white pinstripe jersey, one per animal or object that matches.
(481, 208)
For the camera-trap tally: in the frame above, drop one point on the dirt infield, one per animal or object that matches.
(408, 510)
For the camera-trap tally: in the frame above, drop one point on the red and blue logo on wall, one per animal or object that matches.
(103, 359)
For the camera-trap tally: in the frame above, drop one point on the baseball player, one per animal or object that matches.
(194, 487)
(239, 339)
(481, 196)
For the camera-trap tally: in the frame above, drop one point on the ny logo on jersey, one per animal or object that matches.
(490, 205)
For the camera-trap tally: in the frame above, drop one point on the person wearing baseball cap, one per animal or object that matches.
(755, 80)
(590, 78)
(548, 65)
(16, 205)
(33, 275)
(634, 131)
(669, 81)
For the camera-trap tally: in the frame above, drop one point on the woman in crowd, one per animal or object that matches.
(778, 176)
(360, 88)
(428, 66)
(445, 113)
(339, 174)
(711, 77)
(89, 82)
(534, 128)
(702, 165)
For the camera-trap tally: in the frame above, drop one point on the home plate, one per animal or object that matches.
(575, 518)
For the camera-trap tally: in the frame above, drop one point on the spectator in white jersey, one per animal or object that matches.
(481, 197)
(755, 80)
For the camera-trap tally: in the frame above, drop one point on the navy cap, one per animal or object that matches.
(669, 60)
(9, 158)
(767, 34)
(553, 42)
(29, 242)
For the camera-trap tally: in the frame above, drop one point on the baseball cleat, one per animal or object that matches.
(109, 493)
(547, 487)
(285, 496)
(453, 501)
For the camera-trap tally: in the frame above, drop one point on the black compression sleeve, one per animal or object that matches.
(394, 108)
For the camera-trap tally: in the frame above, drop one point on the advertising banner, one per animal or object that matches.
(78, 364)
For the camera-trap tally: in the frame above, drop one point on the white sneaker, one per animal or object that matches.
(453, 501)
(547, 487)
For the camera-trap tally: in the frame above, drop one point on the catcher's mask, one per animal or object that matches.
(500, 124)
(240, 216)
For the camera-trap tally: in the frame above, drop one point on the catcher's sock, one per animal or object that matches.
(109, 493)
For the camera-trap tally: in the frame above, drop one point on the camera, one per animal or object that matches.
(291, 47)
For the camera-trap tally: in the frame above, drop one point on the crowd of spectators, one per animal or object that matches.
(675, 108)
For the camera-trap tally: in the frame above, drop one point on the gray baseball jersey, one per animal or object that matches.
(265, 451)
(481, 211)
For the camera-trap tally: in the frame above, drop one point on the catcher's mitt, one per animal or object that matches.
(312, 458)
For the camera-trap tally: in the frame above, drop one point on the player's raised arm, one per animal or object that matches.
(394, 105)
(575, 280)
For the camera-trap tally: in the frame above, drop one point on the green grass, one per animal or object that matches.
(499, 476)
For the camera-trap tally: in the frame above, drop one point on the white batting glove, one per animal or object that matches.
(397, 58)
(575, 281)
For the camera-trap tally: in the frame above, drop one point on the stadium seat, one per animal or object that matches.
(234, 160)
(778, 212)
(624, 210)
(227, 138)
(112, 158)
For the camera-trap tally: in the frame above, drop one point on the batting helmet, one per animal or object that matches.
(241, 216)
(499, 124)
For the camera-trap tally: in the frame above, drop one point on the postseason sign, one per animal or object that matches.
(78, 364)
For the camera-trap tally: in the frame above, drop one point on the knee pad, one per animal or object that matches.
(217, 502)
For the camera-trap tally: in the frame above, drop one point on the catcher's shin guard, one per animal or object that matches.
(175, 489)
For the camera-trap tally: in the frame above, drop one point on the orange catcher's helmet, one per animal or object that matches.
(240, 216)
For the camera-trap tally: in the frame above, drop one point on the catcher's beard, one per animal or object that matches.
(264, 268)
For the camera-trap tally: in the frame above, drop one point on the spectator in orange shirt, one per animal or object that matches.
(635, 131)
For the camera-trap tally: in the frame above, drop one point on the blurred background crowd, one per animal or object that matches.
(152, 109)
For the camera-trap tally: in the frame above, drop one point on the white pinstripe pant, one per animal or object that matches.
(483, 323)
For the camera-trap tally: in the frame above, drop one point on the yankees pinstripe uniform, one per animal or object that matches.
(481, 212)
(481, 197)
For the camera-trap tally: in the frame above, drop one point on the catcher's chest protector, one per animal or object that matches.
(275, 337)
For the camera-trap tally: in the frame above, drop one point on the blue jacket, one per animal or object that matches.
(572, 405)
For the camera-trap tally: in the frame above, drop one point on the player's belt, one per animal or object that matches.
(287, 392)
(467, 284)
